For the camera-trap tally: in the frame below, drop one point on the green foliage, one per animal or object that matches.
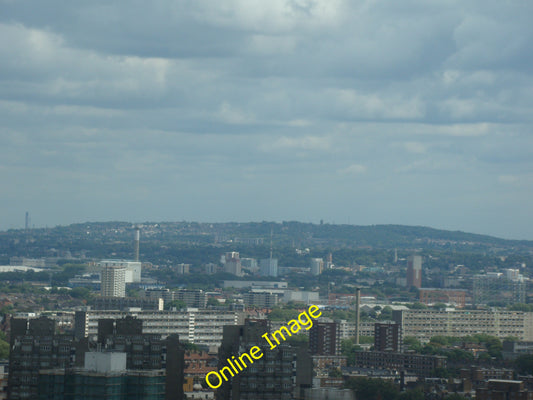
(458, 355)
(372, 389)
(456, 396)
(417, 306)
(366, 340)
(298, 339)
(494, 347)
(82, 293)
(441, 373)
(177, 304)
(524, 364)
(4, 347)
(211, 301)
(190, 346)
(68, 271)
(348, 349)
(282, 314)
(521, 307)
(27, 276)
(414, 394)
(340, 314)
(439, 340)
(386, 314)
(412, 343)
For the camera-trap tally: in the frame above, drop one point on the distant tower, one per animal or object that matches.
(395, 256)
(27, 224)
(324, 339)
(414, 271)
(233, 263)
(268, 266)
(329, 263)
(317, 265)
(357, 315)
(387, 337)
(136, 243)
(113, 282)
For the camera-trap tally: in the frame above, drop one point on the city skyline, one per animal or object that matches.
(353, 113)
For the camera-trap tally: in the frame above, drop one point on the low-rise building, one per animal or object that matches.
(420, 365)
(261, 299)
(425, 324)
(514, 349)
(203, 327)
(504, 390)
(431, 296)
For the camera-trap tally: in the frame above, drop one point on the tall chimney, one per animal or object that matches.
(357, 316)
(137, 240)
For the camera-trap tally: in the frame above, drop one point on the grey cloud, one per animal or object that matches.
(289, 109)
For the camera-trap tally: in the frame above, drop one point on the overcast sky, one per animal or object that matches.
(362, 112)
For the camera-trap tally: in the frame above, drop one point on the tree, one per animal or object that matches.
(412, 343)
(494, 347)
(524, 364)
(348, 349)
(81, 293)
(455, 396)
(299, 338)
(417, 306)
(177, 304)
(4, 347)
(386, 313)
(371, 389)
(414, 394)
(211, 301)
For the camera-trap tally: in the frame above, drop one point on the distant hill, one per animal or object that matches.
(286, 234)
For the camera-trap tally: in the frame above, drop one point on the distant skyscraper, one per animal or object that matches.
(233, 263)
(387, 337)
(317, 265)
(250, 264)
(414, 271)
(498, 287)
(324, 339)
(329, 263)
(133, 268)
(269, 267)
(281, 374)
(136, 242)
(113, 281)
